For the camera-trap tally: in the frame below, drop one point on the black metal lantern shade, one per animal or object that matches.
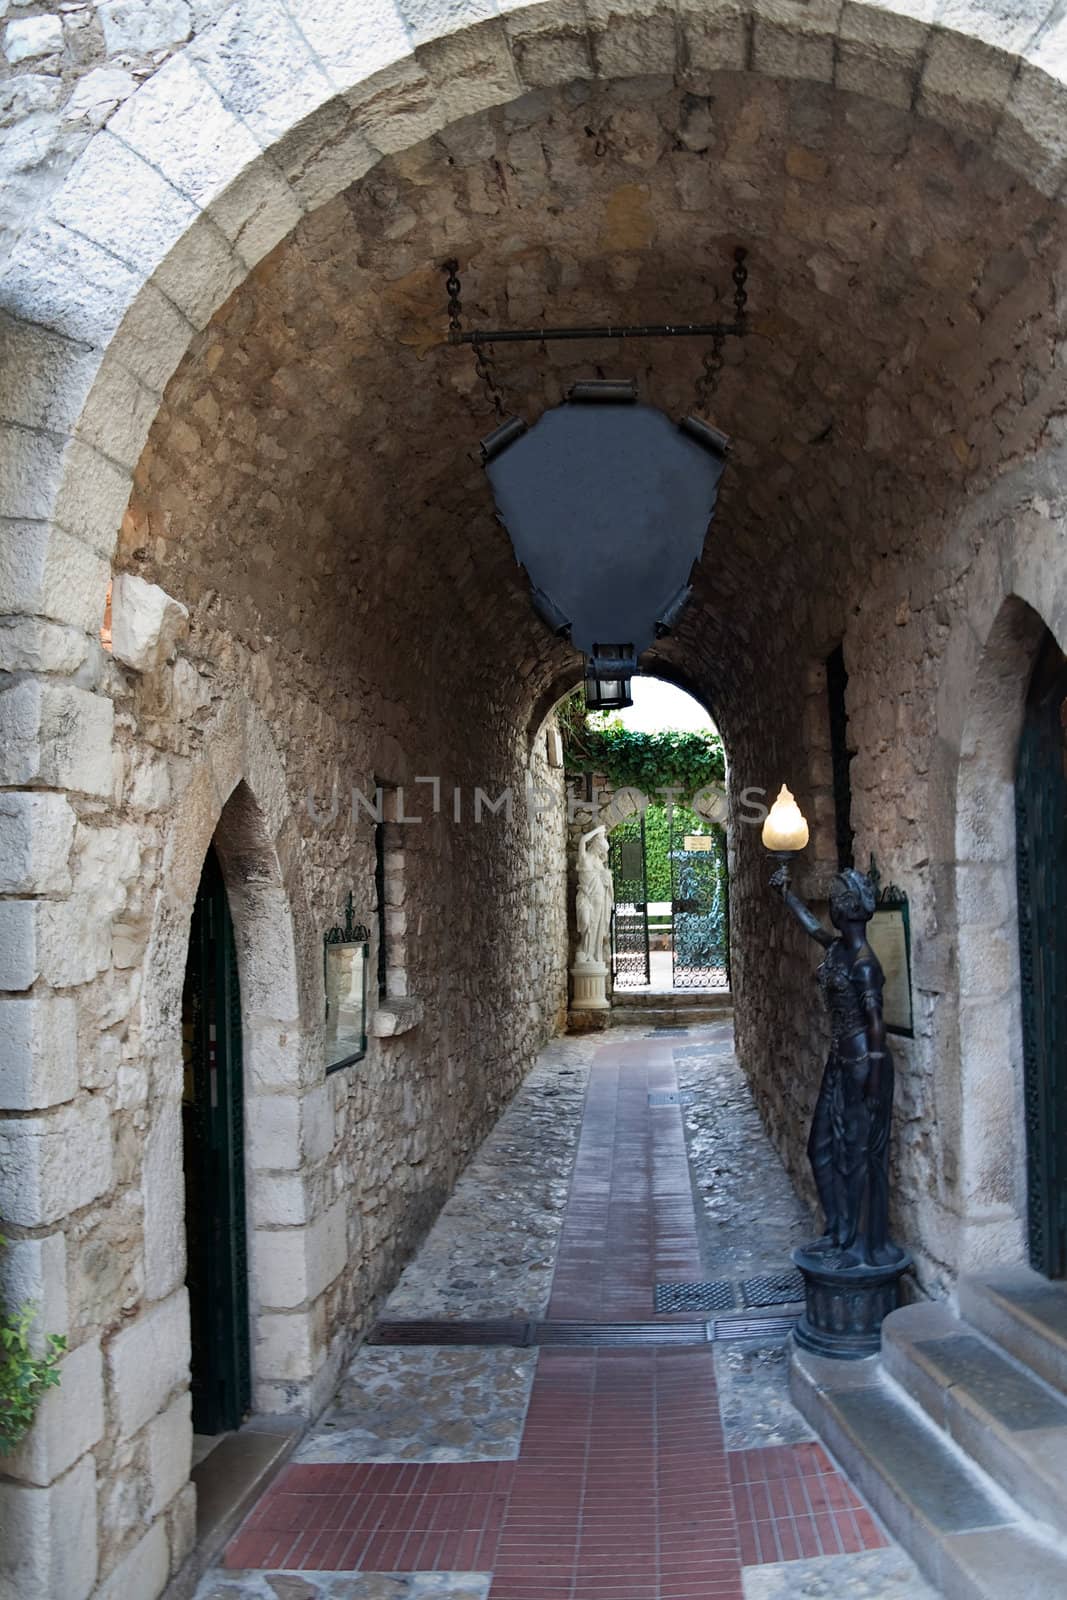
(607, 503)
(607, 678)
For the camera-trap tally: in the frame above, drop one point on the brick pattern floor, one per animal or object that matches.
(623, 1488)
(791, 1502)
(629, 1221)
(419, 1518)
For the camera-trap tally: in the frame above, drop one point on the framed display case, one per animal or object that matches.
(346, 953)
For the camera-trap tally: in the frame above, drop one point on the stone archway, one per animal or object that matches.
(263, 120)
(232, 801)
(271, 111)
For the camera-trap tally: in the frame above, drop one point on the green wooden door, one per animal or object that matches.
(213, 1131)
(1041, 837)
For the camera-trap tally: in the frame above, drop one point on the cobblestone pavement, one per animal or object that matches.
(492, 1251)
(496, 1473)
(871, 1575)
(753, 1380)
(426, 1404)
(344, 1586)
(749, 1218)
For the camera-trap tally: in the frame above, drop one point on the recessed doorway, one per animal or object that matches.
(213, 1142)
(1041, 844)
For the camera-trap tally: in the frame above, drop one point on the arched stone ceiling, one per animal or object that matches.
(319, 440)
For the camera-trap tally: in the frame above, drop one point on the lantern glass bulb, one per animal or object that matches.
(785, 827)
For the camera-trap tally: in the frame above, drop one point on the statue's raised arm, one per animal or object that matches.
(802, 913)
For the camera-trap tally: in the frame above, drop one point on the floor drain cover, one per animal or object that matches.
(771, 1328)
(609, 1333)
(717, 1296)
(775, 1289)
(670, 1097)
(489, 1331)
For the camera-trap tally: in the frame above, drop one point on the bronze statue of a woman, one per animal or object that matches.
(849, 1142)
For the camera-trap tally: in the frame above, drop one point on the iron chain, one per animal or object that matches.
(708, 381)
(740, 279)
(482, 355)
(455, 304)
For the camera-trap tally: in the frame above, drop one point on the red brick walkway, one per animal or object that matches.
(623, 1489)
(629, 1221)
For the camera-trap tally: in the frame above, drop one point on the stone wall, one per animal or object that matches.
(65, 70)
(354, 611)
(300, 674)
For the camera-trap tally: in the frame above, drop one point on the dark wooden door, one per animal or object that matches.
(213, 1132)
(1041, 835)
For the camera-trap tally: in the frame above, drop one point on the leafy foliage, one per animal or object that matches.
(24, 1377)
(658, 844)
(650, 762)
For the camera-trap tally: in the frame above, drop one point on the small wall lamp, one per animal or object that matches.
(785, 830)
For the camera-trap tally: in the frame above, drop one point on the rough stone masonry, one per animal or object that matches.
(224, 393)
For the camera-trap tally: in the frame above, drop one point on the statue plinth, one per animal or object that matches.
(589, 981)
(846, 1305)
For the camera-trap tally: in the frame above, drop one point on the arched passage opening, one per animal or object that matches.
(654, 774)
(348, 576)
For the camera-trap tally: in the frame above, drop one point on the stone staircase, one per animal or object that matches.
(957, 1434)
(666, 1008)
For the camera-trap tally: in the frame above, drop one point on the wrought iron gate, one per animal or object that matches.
(700, 907)
(629, 922)
(213, 1133)
(1041, 841)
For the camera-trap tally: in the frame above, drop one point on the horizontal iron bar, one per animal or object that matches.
(641, 330)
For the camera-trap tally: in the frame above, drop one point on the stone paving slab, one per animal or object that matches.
(753, 1383)
(750, 1218)
(539, 1423)
(869, 1575)
(426, 1404)
(492, 1250)
(344, 1586)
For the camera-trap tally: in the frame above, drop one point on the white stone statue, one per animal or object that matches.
(596, 896)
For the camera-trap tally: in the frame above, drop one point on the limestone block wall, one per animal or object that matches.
(932, 790)
(353, 610)
(65, 70)
(254, 730)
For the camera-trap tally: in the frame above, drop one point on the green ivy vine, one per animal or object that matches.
(650, 762)
(24, 1377)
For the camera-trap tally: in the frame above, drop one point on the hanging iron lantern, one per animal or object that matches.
(607, 503)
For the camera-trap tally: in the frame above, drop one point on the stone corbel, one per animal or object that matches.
(146, 623)
(395, 1015)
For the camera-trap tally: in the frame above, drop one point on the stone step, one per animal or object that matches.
(964, 1533)
(690, 1017)
(1007, 1420)
(1025, 1314)
(674, 999)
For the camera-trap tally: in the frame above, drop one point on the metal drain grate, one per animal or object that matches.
(609, 1333)
(717, 1296)
(669, 1097)
(500, 1330)
(749, 1327)
(521, 1335)
(773, 1289)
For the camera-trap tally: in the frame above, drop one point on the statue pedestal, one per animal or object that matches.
(589, 981)
(844, 1306)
